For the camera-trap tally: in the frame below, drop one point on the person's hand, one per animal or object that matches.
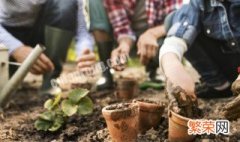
(41, 66)
(86, 59)
(177, 75)
(147, 47)
(119, 56)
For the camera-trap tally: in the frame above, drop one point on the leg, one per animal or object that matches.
(55, 28)
(101, 29)
(215, 68)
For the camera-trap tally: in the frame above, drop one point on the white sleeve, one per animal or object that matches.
(174, 45)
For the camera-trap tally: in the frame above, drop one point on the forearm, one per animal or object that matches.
(176, 73)
(9, 41)
(158, 31)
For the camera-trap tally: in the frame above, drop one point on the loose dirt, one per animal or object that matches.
(17, 123)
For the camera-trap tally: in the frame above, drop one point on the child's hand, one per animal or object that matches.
(176, 74)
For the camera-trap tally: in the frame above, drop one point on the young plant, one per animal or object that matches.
(59, 109)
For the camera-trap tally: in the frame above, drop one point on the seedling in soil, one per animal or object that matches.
(59, 109)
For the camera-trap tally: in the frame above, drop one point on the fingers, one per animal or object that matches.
(85, 64)
(47, 62)
(87, 57)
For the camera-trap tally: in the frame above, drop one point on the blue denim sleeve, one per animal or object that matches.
(186, 23)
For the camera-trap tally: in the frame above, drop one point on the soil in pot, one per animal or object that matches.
(150, 114)
(182, 108)
(122, 121)
(126, 88)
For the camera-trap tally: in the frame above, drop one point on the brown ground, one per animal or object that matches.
(23, 109)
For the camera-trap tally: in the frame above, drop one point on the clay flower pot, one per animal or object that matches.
(126, 88)
(122, 121)
(150, 114)
(178, 128)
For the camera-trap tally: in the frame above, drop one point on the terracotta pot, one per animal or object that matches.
(150, 114)
(126, 89)
(122, 122)
(178, 128)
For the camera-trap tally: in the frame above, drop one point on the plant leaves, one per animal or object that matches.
(48, 116)
(51, 104)
(69, 108)
(77, 94)
(85, 106)
(48, 104)
(57, 124)
(43, 125)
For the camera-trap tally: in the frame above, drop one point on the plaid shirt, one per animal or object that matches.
(120, 12)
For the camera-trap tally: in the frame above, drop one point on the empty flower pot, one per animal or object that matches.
(150, 114)
(125, 88)
(122, 121)
(178, 128)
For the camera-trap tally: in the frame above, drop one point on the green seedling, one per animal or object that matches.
(59, 109)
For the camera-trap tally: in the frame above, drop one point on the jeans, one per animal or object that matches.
(215, 66)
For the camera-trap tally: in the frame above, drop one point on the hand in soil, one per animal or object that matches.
(182, 103)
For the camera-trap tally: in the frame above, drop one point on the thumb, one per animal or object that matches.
(85, 51)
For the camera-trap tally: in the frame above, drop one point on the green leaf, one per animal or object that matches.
(51, 104)
(43, 125)
(57, 124)
(48, 116)
(77, 94)
(69, 108)
(48, 104)
(85, 106)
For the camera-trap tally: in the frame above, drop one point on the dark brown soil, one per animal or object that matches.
(22, 111)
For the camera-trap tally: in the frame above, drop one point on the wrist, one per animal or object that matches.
(157, 32)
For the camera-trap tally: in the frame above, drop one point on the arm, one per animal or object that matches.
(183, 32)
(8, 40)
(20, 52)
(148, 43)
(84, 39)
(121, 26)
(119, 19)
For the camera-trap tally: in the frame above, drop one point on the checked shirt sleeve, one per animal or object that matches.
(119, 19)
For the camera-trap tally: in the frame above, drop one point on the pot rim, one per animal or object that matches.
(130, 107)
(149, 107)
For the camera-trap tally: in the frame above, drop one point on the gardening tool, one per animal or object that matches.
(8, 87)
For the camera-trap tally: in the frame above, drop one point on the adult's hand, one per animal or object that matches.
(86, 59)
(147, 46)
(119, 56)
(41, 66)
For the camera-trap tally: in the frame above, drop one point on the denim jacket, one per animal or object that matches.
(211, 17)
